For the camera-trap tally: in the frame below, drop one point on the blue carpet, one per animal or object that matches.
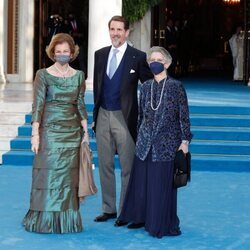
(213, 210)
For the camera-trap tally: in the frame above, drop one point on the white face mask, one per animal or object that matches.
(62, 59)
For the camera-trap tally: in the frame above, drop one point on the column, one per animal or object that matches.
(26, 39)
(140, 33)
(100, 12)
(2, 39)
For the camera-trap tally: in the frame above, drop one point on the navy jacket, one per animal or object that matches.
(164, 129)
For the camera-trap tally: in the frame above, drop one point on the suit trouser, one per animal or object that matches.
(113, 135)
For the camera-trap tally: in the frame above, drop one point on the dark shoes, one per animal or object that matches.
(120, 223)
(104, 217)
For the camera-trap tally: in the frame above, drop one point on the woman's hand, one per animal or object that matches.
(85, 131)
(86, 137)
(35, 137)
(35, 143)
(184, 147)
(81, 199)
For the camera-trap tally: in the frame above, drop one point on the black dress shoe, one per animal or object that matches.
(120, 223)
(136, 225)
(104, 217)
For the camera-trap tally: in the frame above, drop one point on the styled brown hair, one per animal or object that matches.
(120, 19)
(59, 39)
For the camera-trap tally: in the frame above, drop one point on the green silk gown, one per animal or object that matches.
(58, 106)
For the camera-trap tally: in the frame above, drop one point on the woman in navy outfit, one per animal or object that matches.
(163, 129)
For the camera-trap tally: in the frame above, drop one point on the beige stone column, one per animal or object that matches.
(26, 40)
(3, 21)
(100, 13)
(140, 33)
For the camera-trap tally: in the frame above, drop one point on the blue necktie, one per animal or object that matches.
(113, 63)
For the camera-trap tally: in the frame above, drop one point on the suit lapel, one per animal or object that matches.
(129, 58)
(103, 64)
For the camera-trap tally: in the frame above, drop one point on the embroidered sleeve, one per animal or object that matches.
(184, 114)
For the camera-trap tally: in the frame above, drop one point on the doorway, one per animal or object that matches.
(55, 16)
(205, 27)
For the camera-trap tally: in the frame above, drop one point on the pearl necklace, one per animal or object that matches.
(151, 101)
(62, 73)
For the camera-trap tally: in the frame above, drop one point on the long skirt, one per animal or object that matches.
(54, 202)
(151, 198)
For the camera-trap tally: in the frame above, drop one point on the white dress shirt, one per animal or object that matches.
(119, 55)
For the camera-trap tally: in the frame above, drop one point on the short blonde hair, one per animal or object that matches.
(161, 50)
(59, 39)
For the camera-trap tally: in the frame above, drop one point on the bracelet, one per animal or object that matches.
(185, 142)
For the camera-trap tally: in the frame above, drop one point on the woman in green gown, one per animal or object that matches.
(59, 123)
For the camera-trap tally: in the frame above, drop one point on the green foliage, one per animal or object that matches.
(134, 10)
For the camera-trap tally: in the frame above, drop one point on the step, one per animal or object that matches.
(25, 130)
(4, 145)
(15, 107)
(198, 163)
(220, 121)
(89, 107)
(221, 133)
(25, 157)
(197, 147)
(200, 133)
(196, 120)
(18, 158)
(230, 110)
(12, 118)
(221, 147)
(220, 163)
(5, 142)
(19, 86)
(8, 130)
(28, 118)
(24, 143)
(2, 152)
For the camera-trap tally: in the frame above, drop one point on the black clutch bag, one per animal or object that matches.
(182, 169)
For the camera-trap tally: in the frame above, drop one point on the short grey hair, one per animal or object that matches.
(161, 50)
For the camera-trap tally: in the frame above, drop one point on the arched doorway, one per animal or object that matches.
(205, 26)
(53, 16)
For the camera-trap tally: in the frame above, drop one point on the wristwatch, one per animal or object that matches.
(185, 142)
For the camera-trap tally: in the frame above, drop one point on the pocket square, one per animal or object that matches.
(132, 71)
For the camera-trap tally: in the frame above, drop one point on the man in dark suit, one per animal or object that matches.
(117, 71)
(75, 29)
(171, 45)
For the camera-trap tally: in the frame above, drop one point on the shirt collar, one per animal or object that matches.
(122, 48)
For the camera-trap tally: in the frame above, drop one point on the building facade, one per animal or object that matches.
(23, 32)
(18, 23)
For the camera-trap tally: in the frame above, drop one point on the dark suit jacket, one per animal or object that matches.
(135, 69)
